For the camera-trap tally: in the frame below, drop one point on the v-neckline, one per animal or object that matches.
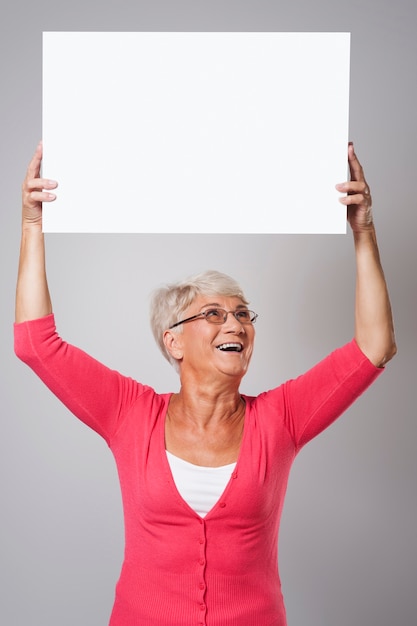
(168, 471)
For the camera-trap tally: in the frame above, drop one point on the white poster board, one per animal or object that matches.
(195, 132)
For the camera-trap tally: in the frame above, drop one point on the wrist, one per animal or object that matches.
(31, 228)
(365, 234)
(366, 245)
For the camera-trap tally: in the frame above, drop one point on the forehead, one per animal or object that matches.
(224, 302)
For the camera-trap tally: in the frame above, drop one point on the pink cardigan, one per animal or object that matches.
(180, 569)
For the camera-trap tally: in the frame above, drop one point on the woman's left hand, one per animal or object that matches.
(358, 199)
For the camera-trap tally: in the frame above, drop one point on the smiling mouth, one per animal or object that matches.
(230, 347)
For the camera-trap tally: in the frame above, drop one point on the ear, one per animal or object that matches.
(173, 344)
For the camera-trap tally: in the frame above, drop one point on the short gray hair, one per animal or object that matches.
(169, 303)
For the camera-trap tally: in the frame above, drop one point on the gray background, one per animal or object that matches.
(348, 545)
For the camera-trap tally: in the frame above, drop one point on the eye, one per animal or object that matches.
(214, 314)
(243, 315)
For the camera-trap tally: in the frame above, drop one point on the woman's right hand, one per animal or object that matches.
(35, 191)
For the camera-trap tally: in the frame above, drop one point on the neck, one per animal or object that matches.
(207, 405)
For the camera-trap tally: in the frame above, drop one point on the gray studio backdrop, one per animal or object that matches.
(348, 542)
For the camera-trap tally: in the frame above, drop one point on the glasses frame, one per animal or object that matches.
(204, 314)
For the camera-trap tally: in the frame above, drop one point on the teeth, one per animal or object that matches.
(232, 347)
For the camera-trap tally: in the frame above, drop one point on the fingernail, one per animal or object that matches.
(52, 183)
(51, 196)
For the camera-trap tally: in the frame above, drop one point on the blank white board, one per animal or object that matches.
(195, 132)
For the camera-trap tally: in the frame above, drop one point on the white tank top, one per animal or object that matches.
(200, 487)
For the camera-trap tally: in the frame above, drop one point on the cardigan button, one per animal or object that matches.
(222, 504)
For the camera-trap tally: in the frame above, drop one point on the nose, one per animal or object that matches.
(232, 322)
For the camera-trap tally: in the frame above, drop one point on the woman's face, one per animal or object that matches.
(215, 349)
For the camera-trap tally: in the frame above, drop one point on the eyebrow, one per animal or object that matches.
(239, 306)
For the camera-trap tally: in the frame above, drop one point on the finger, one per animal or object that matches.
(34, 166)
(40, 183)
(356, 169)
(40, 196)
(353, 186)
(358, 199)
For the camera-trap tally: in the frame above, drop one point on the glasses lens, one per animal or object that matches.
(245, 316)
(218, 316)
(215, 316)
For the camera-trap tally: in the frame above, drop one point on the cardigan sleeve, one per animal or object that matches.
(314, 400)
(97, 395)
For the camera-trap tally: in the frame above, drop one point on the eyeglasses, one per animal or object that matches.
(219, 316)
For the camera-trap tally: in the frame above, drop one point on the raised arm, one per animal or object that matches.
(32, 294)
(97, 395)
(374, 329)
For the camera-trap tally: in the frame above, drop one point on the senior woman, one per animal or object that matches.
(203, 472)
